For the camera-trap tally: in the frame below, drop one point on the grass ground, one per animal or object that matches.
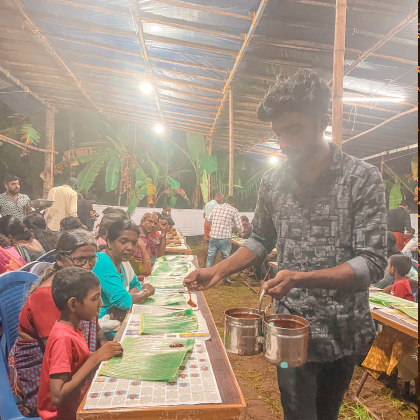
(258, 379)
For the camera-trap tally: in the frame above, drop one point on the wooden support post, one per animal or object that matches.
(49, 156)
(338, 72)
(231, 143)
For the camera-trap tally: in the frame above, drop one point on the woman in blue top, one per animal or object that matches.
(120, 288)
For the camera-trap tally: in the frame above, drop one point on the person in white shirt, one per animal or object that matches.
(222, 219)
(218, 199)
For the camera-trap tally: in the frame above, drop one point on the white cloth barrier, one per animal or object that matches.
(189, 222)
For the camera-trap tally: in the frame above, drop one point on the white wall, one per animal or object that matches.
(189, 222)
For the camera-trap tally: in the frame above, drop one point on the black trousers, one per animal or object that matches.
(315, 391)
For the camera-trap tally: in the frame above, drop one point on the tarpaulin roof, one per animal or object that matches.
(92, 55)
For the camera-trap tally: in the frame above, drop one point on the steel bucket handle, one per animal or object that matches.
(268, 307)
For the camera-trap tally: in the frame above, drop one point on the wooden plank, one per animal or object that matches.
(398, 324)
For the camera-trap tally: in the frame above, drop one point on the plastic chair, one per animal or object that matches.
(40, 267)
(13, 290)
(48, 257)
(8, 407)
(27, 267)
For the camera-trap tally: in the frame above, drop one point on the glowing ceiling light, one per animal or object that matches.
(328, 129)
(327, 137)
(371, 99)
(274, 159)
(159, 128)
(146, 87)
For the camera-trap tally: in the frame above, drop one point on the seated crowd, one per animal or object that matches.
(78, 304)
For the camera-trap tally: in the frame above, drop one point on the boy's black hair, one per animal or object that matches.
(116, 228)
(9, 178)
(70, 223)
(72, 282)
(170, 221)
(244, 218)
(304, 92)
(401, 263)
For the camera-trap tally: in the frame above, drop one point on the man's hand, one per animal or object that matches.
(202, 279)
(281, 284)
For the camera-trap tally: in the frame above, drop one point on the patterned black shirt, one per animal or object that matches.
(17, 208)
(341, 219)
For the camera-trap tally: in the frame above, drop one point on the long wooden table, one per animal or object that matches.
(232, 399)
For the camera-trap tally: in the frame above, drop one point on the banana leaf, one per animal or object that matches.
(395, 196)
(166, 282)
(133, 203)
(144, 360)
(383, 299)
(196, 145)
(90, 172)
(175, 322)
(164, 299)
(209, 164)
(112, 174)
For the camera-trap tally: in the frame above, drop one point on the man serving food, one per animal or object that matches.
(326, 213)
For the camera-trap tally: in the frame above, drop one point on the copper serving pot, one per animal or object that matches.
(243, 331)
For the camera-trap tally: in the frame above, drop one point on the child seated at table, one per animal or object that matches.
(398, 267)
(68, 366)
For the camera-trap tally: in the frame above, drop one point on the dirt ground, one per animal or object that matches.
(258, 379)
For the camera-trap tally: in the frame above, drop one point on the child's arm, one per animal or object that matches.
(63, 384)
(387, 289)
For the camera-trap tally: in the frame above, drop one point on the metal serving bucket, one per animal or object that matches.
(243, 331)
(286, 340)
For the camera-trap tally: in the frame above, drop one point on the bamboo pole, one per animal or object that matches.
(399, 115)
(203, 9)
(49, 156)
(23, 146)
(127, 52)
(42, 39)
(25, 88)
(338, 70)
(398, 178)
(255, 20)
(231, 144)
(408, 19)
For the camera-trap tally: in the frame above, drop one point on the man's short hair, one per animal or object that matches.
(9, 178)
(304, 92)
(72, 182)
(231, 199)
(244, 218)
(404, 203)
(218, 195)
(146, 215)
(401, 263)
(72, 282)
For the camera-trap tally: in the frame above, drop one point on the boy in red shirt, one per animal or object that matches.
(398, 267)
(68, 366)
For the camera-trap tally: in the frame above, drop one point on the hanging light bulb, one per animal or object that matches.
(146, 87)
(274, 159)
(159, 128)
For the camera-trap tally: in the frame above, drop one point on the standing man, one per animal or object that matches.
(222, 219)
(399, 220)
(11, 201)
(208, 208)
(65, 204)
(326, 211)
